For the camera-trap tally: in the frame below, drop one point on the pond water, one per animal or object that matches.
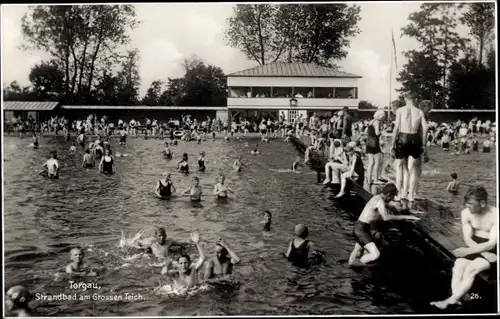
(44, 219)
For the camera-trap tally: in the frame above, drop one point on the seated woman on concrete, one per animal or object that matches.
(355, 170)
(479, 226)
(338, 161)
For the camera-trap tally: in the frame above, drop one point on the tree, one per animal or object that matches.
(434, 26)
(420, 78)
(152, 97)
(366, 105)
(203, 85)
(81, 38)
(47, 79)
(480, 18)
(14, 92)
(129, 79)
(308, 33)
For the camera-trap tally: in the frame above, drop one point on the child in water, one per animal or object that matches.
(194, 191)
(454, 185)
(255, 151)
(72, 149)
(201, 162)
(88, 159)
(35, 141)
(16, 302)
(76, 265)
(267, 220)
(167, 152)
(220, 189)
(296, 164)
(300, 249)
(183, 165)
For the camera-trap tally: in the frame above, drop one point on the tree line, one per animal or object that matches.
(86, 66)
(451, 70)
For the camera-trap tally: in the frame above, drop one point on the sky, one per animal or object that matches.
(171, 32)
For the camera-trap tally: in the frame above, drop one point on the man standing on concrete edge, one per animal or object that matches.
(347, 127)
(408, 144)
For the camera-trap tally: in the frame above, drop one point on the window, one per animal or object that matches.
(238, 91)
(261, 92)
(346, 93)
(282, 92)
(323, 93)
(304, 92)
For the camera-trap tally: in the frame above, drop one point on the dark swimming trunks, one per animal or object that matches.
(446, 145)
(201, 165)
(408, 145)
(486, 149)
(362, 232)
(89, 165)
(480, 240)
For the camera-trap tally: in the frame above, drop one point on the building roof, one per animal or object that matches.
(29, 106)
(281, 69)
(141, 107)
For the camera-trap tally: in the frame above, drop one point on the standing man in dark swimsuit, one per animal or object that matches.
(107, 163)
(479, 226)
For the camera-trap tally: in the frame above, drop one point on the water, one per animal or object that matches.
(44, 219)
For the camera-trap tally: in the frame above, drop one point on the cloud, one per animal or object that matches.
(171, 32)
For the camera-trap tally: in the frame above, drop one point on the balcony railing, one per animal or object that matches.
(297, 92)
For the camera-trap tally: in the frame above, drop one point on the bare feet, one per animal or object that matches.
(340, 195)
(445, 303)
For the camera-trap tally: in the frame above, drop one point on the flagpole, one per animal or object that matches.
(390, 82)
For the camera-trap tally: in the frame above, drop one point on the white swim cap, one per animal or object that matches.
(378, 115)
(340, 113)
(351, 145)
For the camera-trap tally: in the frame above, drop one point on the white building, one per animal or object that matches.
(268, 89)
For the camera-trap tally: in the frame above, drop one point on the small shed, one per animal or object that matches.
(39, 111)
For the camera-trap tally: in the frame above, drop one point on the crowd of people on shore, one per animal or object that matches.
(345, 141)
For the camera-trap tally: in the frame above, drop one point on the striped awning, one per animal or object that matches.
(29, 106)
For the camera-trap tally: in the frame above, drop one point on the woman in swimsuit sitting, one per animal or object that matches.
(164, 188)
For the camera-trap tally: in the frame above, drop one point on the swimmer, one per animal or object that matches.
(123, 136)
(296, 164)
(183, 165)
(98, 150)
(267, 220)
(194, 191)
(480, 227)
(76, 266)
(164, 189)
(81, 139)
(16, 302)
(486, 146)
(220, 190)
(167, 152)
(35, 141)
(107, 163)
(186, 274)
(201, 162)
(300, 249)
(255, 151)
(375, 209)
(454, 185)
(222, 263)
(52, 166)
(238, 165)
(72, 149)
(157, 245)
(88, 159)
